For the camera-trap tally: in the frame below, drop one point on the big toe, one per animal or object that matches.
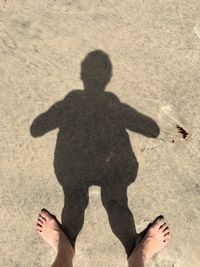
(159, 221)
(45, 214)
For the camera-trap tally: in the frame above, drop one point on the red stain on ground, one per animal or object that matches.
(182, 131)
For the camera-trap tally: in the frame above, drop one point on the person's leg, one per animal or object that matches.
(114, 199)
(48, 228)
(75, 203)
(155, 239)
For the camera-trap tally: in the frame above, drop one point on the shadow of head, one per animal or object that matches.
(96, 71)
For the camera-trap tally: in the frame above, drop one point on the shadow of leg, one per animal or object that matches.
(114, 199)
(75, 203)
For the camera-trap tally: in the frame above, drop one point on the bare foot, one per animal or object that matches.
(154, 240)
(48, 228)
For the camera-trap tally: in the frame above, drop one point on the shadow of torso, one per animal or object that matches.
(93, 146)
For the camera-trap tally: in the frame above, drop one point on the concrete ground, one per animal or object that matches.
(154, 49)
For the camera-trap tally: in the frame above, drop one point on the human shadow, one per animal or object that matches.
(93, 148)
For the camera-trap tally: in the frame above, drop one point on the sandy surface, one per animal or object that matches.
(154, 49)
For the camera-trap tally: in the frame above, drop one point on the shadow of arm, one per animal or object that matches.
(47, 121)
(140, 123)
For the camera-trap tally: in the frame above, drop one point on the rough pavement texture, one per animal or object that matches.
(154, 48)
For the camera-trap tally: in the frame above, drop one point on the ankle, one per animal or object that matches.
(64, 245)
(137, 258)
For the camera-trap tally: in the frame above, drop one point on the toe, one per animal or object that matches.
(39, 226)
(41, 218)
(45, 214)
(162, 227)
(40, 221)
(166, 230)
(159, 221)
(166, 241)
(166, 237)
